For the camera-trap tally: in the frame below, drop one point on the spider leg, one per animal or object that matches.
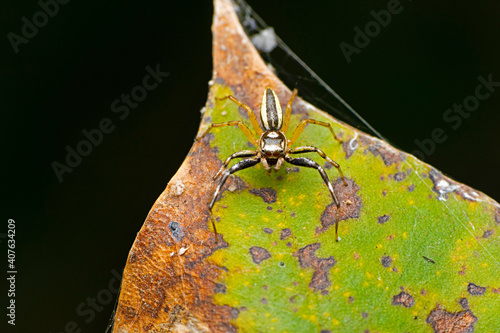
(288, 112)
(310, 149)
(308, 163)
(239, 154)
(247, 163)
(300, 127)
(250, 112)
(244, 128)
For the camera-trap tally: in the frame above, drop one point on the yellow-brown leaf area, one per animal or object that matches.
(167, 283)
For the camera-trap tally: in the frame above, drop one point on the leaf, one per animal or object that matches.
(418, 251)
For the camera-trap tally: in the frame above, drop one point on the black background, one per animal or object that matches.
(72, 234)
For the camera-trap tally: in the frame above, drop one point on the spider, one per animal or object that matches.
(273, 147)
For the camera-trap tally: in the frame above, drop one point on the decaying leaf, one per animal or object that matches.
(418, 251)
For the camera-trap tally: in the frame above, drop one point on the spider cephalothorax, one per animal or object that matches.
(273, 147)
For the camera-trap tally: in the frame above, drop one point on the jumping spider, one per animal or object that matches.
(272, 145)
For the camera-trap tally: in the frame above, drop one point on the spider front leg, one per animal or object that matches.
(300, 127)
(311, 149)
(244, 128)
(251, 115)
(288, 111)
(308, 163)
(224, 175)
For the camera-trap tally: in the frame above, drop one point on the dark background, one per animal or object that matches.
(71, 235)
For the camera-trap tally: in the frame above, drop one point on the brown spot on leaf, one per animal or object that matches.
(411, 188)
(220, 288)
(268, 230)
(267, 194)
(176, 231)
(497, 216)
(346, 211)
(285, 233)
(400, 176)
(389, 155)
(403, 299)
(382, 219)
(364, 140)
(259, 254)
(462, 272)
(129, 312)
(391, 237)
(443, 321)
(364, 314)
(234, 313)
(349, 147)
(386, 261)
(174, 314)
(355, 255)
(234, 184)
(464, 303)
(488, 233)
(264, 301)
(307, 258)
(475, 290)
(444, 185)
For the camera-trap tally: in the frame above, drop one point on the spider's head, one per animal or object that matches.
(272, 145)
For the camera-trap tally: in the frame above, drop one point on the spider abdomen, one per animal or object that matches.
(271, 114)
